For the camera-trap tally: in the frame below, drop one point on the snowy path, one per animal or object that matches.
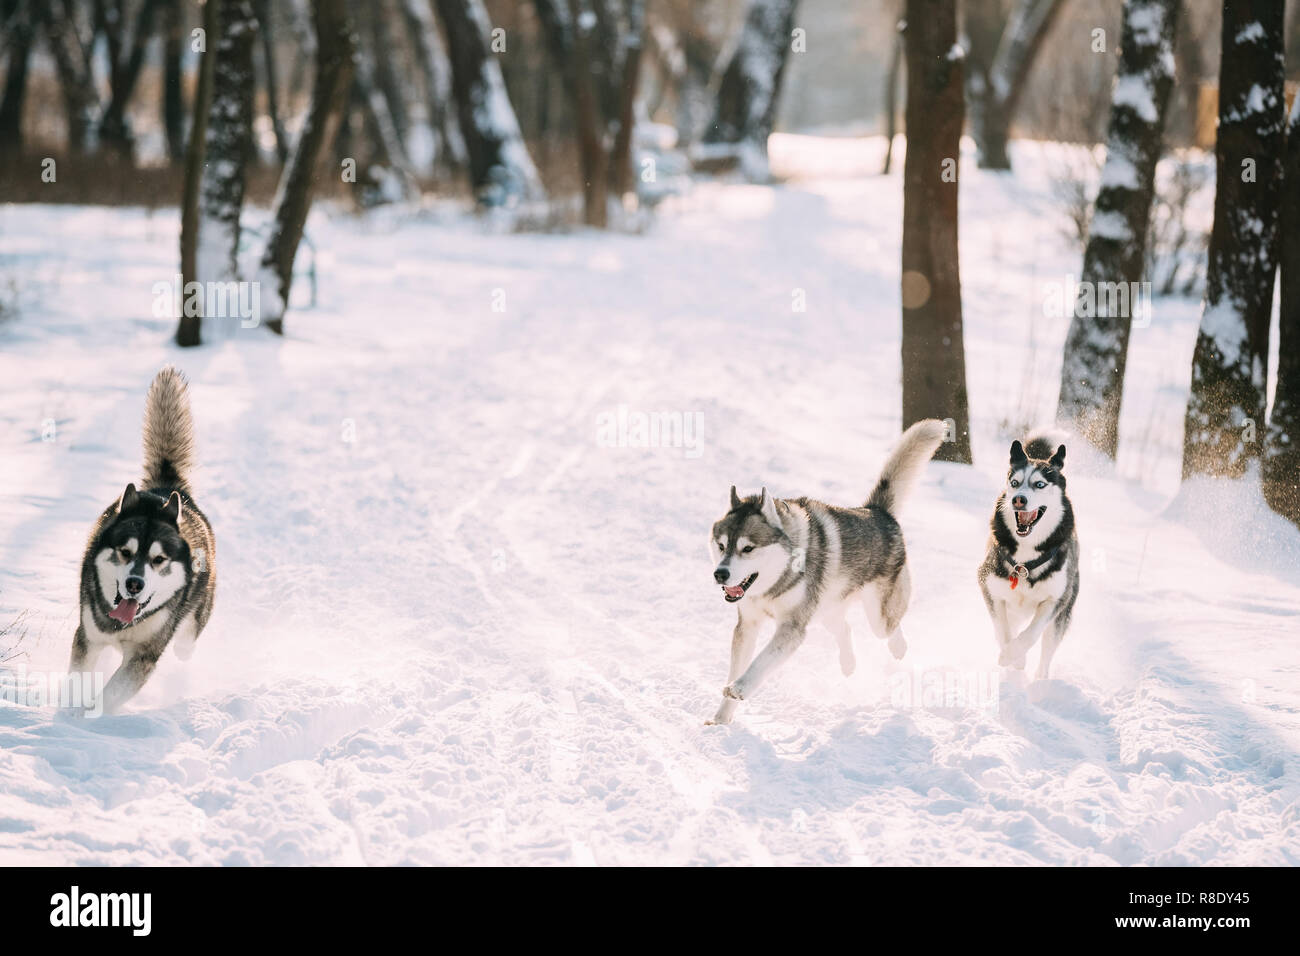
(475, 634)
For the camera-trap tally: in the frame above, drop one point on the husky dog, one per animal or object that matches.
(796, 560)
(1030, 574)
(147, 576)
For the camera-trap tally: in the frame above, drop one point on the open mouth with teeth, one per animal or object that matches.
(1025, 520)
(127, 609)
(737, 591)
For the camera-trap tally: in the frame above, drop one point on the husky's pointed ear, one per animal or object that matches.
(1058, 460)
(767, 505)
(172, 510)
(128, 500)
(735, 498)
(1018, 456)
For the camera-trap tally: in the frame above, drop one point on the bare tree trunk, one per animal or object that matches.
(751, 85)
(126, 57)
(995, 94)
(1230, 364)
(173, 88)
(501, 171)
(591, 145)
(189, 330)
(620, 160)
(1282, 451)
(386, 79)
(18, 20)
(334, 54)
(1096, 349)
(934, 361)
(72, 62)
(262, 9)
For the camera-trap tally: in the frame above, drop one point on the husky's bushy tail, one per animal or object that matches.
(904, 464)
(168, 432)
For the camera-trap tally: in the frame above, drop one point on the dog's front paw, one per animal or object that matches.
(733, 691)
(1012, 656)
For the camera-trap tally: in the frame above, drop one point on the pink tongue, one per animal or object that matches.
(1024, 517)
(736, 591)
(125, 610)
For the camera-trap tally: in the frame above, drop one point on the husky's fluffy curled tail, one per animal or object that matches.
(905, 463)
(168, 433)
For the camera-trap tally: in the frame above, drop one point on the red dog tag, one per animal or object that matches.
(1014, 581)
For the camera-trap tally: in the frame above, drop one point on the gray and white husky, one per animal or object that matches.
(147, 576)
(798, 560)
(1030, 574)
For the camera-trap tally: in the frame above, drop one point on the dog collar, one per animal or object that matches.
(1021, 569)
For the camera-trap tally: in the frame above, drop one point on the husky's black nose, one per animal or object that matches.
(1019, 502)
(134, 585)
(721, 575)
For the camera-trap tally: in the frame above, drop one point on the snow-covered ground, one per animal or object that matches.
(456, 624)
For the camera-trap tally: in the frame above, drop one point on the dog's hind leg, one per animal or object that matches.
(838, 625)
(743, 639)
(886, 603)
(785, 642)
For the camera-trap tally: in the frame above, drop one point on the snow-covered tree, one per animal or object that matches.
(334, 50)
(228, 144)
(1092, 373)
(751, 86)
(383, 108)
(999, 69)
(219, 150)
(1282, 451)
(1224, 425)
(501, 171)
(189, 329)
(934, 358)
(435, 77)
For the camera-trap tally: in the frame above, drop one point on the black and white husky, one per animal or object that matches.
(798, 560)
(1030, 574)
(147, 576)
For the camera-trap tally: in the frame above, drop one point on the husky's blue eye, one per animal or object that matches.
(1015, 484)
(1040, 484)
